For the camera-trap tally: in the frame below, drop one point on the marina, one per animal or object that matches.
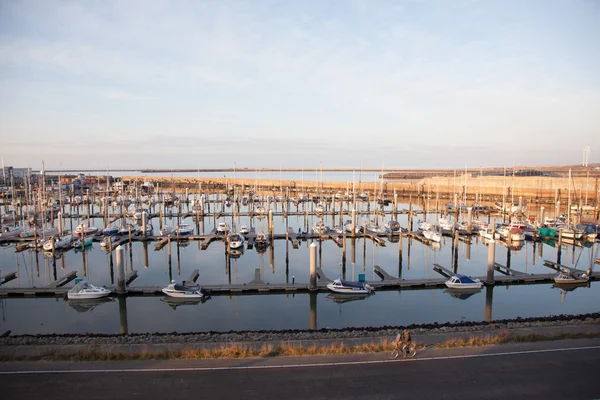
(293, 245)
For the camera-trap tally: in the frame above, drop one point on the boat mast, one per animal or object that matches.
(569, 202)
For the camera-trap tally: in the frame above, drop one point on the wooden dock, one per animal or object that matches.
(62, 281)
(8, 277)
(507, 271)
(383, 274)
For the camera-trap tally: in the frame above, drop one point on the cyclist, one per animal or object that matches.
(404, 338)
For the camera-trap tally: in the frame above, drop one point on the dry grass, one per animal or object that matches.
(506, 337)
(271, 350)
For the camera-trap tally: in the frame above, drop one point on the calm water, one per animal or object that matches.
(280, 264)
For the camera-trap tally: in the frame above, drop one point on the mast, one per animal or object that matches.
(569, 202)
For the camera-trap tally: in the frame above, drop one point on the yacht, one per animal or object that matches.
(85, 290)
(347, 287)
(182, 291)
(184, 229)
(236, 241)
(222, 228)
(460, 281)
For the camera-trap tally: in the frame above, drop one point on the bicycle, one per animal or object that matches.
(408, 350)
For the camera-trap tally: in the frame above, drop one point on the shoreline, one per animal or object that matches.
(281, 343)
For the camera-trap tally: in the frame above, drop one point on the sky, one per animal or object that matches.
(209, 84)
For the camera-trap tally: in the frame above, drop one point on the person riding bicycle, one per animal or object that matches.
(404, 339)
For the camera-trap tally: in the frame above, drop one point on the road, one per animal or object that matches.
(550, 370)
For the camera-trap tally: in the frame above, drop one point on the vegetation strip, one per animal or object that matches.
(268, 350)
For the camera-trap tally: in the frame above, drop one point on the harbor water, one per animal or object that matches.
(281, 263)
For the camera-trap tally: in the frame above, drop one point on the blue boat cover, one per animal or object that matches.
(359, 285)
(465, 278)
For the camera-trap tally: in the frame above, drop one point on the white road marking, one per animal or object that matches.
(229, 368)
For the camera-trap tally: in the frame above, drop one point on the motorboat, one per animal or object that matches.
(433, 235)
(31, 232)
(460, 281)
(236, 241)
(479, 225)
(184, 229)
(87, 241)
(244, 229)
(222, 228)
(350, 228)
(374, 227)
(59, 243)
(489, 234)
(570, 278)
(445, 224)
(182, 291)
(261, 242)
(319, 228)
(347, 287)
(10, 232)
(259, 211)
(165, 230)
(567, 233)
(392, 226)
(110, 230)
(85, 290)
(425, 226)
(512, 234)
(107, 240)
(128, 228)
(83, 230)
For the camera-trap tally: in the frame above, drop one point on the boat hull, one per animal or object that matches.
(464, 286)
(348, 290)
(82, 296)
(183, 295)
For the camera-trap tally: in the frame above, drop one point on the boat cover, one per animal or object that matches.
(186, 288)
(465, 278)
(359, 285)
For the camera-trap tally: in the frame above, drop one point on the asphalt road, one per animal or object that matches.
(552, 370)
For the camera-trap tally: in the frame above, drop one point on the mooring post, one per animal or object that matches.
(491, 260)
(353, 221)
(144, 218)
(400, 247)
(313, 267)
(344, 249)
(87, 198)
(559, 252)
(469, 218)
(121, 288)
(542, 215)
(60, 223)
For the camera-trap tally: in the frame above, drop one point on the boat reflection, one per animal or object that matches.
(462, 294)
(235, 253)
(175, 302)
(85, 305)
(346, 298)
(565, 288)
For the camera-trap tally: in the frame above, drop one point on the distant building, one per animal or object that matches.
(17, 173)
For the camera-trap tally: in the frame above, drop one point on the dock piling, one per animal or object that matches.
(121, 288)
(313, 267)
(491, 261)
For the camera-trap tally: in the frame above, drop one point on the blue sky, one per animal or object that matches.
(200, 84)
